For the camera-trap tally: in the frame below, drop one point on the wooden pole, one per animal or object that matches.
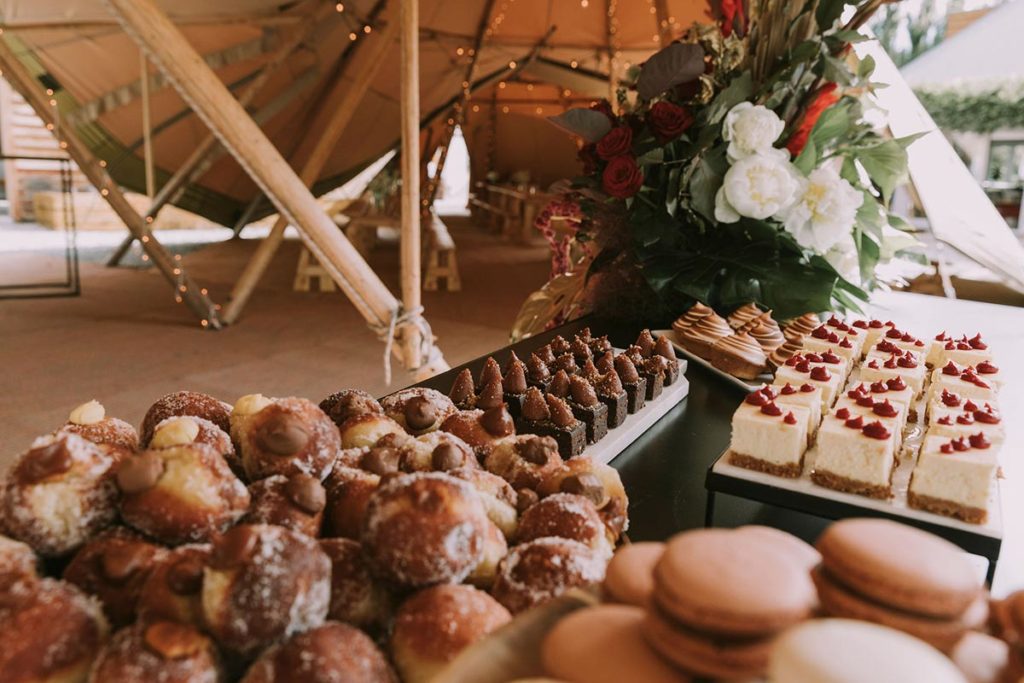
(613, 62)
(665, 33)
(95, 170)
(411, 208)
(335, 112)
(147, 132)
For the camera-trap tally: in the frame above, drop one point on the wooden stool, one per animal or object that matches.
(309, 269)
(441, 261)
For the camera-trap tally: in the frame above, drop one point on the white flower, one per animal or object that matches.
(824, 212)
(758, 186)
(750, 129)
(844, 258)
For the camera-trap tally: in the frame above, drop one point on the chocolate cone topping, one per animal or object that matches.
(589, 370)
(306, 492)
(491, 396)
(490, 372)
(515, 378)
(419, 413)
(282, 434)
(559, 384)
(546, 354)
(559, 345)
(140, 473)
(535, 408)
(580, 349)
(582, 392)
(463, 388)
(565, 362)
(537, 369)
(646, 343)
(512, 360)
(561, 415)
(584, 335)
(601, 344)
(497, 421)
(606, 363)
(627, 371)
(663, 347)
(609, 384)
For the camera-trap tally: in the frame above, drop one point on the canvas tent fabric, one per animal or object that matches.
(76, 48)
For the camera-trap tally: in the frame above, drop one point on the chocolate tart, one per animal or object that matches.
(587, 408)
(514, 387)
(537, 372)
(632, 382)
(463, 391)
(551, 416)
(612, 394)
(663, 348)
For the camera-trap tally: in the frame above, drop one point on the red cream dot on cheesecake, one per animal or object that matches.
(861, 324)
(875, 430)
(988, 417)
(950, 346)
(891, 363)
(790, 418)
(876, 324)
(986, 368)
(950, 400)
(856, 392)
(820, 332)
(959, 444)
(756, 398)
(946, 448)
(830, 358)
(884, 409)
(886, 346)
(896, 384)
(806, 388)
(833, 338)
(855, 422)
(965, 419)
(879, 388)
(820, 374)
(978, 440)
(970, 405)
(946, 420)
(812, 358)
(769, 392)
(976, 343)
(894, 334)
(950, 369)
(907, 361)
(873, 364)
(842, 413)
(963, 346)
(907, 337)
(941, 336)
(771, 409)
(803, 366)
(788, 389)
(845, 343)
(793, 361)
(865, 401)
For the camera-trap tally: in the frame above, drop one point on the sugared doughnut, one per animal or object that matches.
(113, 567)
(597, 481)
(295, 502)
(348, 493)
(159, 651)
(524, 460)
(173, 591)
(18, 563)
(182, 494)
(565, 515)
(286, 436)
(366, 429)
(630, 575)
(481, 429)
(436, 451)
(535, 572)
(495, 550)
(60, 493)
(332, 653)
(90, 421)
(185, 429)
(499, 498)
(184, 403)
(51, 631)
(264, 583)
(424, 528)
(347, 403)
(357, 597)
(434, 625)
(381, 459)
(417, 409)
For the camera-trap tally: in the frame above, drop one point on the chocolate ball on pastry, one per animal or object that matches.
(185, 403)
(498, 496)
(186, 429)
(295, 502)
(434, 625)
(495, 550)
(264, 583)
(481, 429)
(365, 430)
(424, 528)
(113, 567)
(18, 563)
(537, 571)
(332, 653)
(173, 590)
(90, 421)
(597, 481)
(436, 452)
(348, 494)
(182, 494)
(565, 515)
(60, 493)
(524, 460)
(342, 405)
(357, 597)
(286, 436)
(162, 651)
(417, 409)
(52, 631)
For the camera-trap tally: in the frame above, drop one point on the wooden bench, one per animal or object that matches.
(441, 260)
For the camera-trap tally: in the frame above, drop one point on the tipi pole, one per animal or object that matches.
(335, 112)
(95, 170)
(411, 207)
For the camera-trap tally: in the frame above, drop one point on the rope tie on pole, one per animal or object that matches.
(402, 318)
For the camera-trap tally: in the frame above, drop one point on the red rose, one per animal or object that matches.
(622, 178)
(825, 98)
(615, 142)
(588, 156)
(668, 121)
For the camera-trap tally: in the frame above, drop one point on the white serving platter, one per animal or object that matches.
(746, 385)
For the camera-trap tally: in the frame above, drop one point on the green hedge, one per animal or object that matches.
(980, 111)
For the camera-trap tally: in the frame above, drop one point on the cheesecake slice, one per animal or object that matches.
(966, 419)
(873, 330)
(848, 344)
(768, 437)
(855, 455)
(894, 390)
(906, 365)
(804, 395)
(800, 370)
(982, 382)
(905, 341)
(892, 415)
(955, 477)
(962, 351)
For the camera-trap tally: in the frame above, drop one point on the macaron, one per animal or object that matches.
(802, 552)
(980, 657)
(704, 655)
(901, 566)
(846, 651)
(839, 601)
(731, 583)
(629, 578)
(603, 644)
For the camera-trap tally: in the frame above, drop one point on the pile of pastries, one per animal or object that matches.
(573, 391)
(755, 603)
(850, 393)
(280, 540)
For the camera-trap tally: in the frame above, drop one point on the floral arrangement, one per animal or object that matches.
(737, 165)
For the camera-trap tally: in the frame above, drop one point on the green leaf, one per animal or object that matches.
(886, 165)
(826, 15)
(588, 124)
(836, 70)
(557, 296)
(866, 67)
(706, 180)
(739, 90)
(653, 156)
(833, 123)
(671, 66)
(808, 158)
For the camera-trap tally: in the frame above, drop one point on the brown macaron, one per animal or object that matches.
(604, 644)
(630, 575)
(901, 566)
(730, 583)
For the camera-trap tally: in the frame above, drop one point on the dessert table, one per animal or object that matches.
(664, 470)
